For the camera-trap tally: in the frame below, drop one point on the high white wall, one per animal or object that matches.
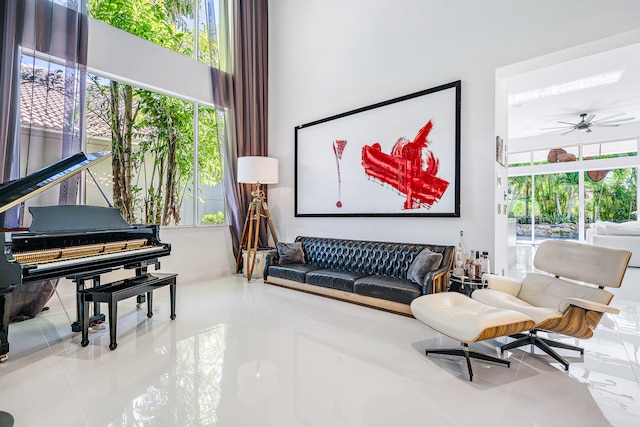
(117, 54)
(331, 56)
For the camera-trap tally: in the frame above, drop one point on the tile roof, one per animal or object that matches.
(42, 103)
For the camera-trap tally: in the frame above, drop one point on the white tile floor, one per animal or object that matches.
(249, 354)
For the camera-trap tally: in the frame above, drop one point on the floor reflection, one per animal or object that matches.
(250, 354)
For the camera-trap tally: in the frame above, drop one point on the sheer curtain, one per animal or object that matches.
(240, 90)
(11, 15)
(44, 56)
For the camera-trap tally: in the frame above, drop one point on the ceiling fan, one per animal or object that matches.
(586, 122)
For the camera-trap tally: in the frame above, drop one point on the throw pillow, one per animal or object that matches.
(290, 253)
(426, 262)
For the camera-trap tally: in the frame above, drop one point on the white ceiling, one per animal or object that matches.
(603, 84)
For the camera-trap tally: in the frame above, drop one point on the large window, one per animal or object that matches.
(560, 192)
(153, 137)
(166, 164)
(155, 176)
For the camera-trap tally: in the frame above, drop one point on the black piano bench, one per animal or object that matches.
(113, 292)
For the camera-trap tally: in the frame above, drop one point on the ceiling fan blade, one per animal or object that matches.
(606, 125)
(589, 118)
(557, 127)
(554, 131)
(626, 119)
(569, 131)
(610, 117)
(567, 123)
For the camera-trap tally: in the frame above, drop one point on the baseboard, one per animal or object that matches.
(380, 304)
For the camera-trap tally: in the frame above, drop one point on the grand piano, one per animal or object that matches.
(78, 242)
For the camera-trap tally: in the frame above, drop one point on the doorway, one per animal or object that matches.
(600, 79)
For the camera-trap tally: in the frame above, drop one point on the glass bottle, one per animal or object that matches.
(461, 257)
(477, 272)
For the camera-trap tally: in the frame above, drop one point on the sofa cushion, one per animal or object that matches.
(296, 272)
(608, 228)
(630, 228)
(426, 262)
(290, 253)
(392, 289)
(336, 279)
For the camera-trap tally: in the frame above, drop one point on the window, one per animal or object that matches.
(153, 177)
(173, 173)
(211, 205)
(562, 199)
(166, 165)
(188, 27)
(48, 126)
(610, 195)
(518, 159)
(604, 150)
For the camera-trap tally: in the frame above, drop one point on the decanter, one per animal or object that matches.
(461, 257)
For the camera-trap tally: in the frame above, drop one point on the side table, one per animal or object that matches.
(465, 285)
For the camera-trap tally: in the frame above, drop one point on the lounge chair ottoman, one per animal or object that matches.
(461, 318)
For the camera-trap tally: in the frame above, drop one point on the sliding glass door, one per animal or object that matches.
(610, 195)
(560, 198)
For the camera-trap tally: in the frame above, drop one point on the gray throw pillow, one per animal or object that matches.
(426, 262)
(290, 253)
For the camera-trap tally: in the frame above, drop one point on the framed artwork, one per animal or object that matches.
(501, 151)
(395, 158)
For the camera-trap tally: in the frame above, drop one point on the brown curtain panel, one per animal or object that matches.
(240, 87)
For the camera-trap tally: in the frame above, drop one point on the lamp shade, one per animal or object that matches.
(257, 169)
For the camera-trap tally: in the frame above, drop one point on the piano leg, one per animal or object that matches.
(172, 293)
(84, 313)
(80, 279)
(113, 320)
(150, 304)
(5, 308)
(96, 305)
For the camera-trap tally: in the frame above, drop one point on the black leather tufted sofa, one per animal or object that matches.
(359, 271)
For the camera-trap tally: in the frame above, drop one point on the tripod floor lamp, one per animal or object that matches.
(255, 170)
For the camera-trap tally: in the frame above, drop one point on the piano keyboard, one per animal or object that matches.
(112, 255)
(73, 252)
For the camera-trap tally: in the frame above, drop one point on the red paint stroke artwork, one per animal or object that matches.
(338, 149)
(410, 169)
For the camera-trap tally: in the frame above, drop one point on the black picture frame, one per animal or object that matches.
(395, 158)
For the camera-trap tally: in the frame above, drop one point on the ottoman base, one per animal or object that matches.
(468, 355)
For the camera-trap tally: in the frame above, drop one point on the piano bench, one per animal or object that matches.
(111, 293)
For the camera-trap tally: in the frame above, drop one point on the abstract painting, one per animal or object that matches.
(394, 158)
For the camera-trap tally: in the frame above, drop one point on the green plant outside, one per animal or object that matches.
(213, 218)
(614, 198)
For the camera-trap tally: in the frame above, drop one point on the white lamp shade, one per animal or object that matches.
(257, 169)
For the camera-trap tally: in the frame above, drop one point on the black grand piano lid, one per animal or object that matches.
(14, 192)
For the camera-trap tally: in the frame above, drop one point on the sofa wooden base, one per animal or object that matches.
(382, 304)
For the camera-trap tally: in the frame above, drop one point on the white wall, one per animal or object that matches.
(331, 56)
(117, 54)
(198, 253)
